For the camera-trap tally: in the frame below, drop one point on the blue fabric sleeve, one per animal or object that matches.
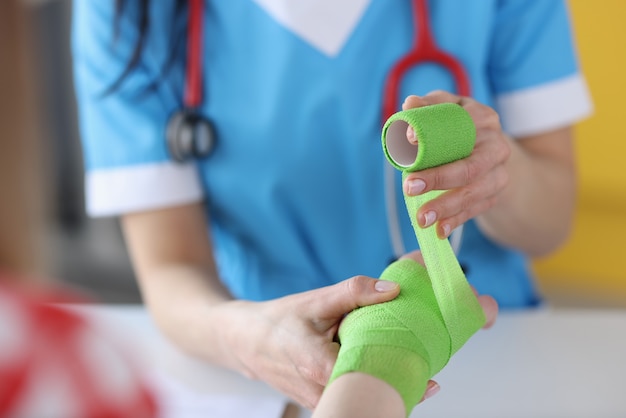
(533, 68)
(532, 44)
(125, 127)
(123, 131)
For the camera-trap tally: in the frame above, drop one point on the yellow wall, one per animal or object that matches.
(593, 263)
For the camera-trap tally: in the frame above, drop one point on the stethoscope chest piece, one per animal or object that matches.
(189, 135)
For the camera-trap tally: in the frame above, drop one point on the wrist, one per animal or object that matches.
(344, 398)
(234, 342)
(494, 222)
(201, 326)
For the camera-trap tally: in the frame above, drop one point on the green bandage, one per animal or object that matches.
(408, 340)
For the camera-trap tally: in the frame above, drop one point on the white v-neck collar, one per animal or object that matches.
(325, 24)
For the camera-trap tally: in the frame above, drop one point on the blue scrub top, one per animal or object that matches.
(294, 188)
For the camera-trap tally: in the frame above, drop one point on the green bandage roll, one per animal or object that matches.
(408, 340)
(445, 133)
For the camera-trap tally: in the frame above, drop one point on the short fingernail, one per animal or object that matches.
(415, 186)
(385, 286)
(446, 230)
(431, 390)
(429, 218)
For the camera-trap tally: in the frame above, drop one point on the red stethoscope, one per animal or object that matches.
(424, 50)
(190, 135)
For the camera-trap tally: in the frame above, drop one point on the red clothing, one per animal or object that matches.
(56, 364)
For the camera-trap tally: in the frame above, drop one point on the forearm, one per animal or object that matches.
(534, 213)
(188, 306)
(173, 261)
(359, 395)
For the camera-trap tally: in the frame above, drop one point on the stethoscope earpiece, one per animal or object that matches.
(189, 136)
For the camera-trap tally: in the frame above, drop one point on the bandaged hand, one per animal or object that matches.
(403, 342)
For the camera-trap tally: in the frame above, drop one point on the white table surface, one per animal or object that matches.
(543, 363)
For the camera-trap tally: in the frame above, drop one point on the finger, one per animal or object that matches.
(413, 101)
(490, 307)
(431, 390)
(449, 176)
(482, 115)
(330, 353)
(445, 226)
(314, 366)
(410, 135)
(332, 302)
(485, 118)
(484, 158)
(441, 96)
(294, 380)
(435, 97)
(465, 200)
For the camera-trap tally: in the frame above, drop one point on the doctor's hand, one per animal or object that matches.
(474, 183)
(290, 342)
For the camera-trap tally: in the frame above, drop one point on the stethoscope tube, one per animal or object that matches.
(193, 69)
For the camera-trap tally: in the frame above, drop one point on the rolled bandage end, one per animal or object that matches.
(444, 132)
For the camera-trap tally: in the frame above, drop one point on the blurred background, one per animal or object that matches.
(87, 253)
(587, 272)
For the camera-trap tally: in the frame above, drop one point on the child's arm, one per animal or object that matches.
(360, 395)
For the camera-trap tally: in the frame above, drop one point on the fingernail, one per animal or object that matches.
(431, 390)
(415, 186)
(429, 218)
(385, 286)
(446, 230)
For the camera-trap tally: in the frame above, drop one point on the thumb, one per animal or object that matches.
(333, 302)
(413, 101)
